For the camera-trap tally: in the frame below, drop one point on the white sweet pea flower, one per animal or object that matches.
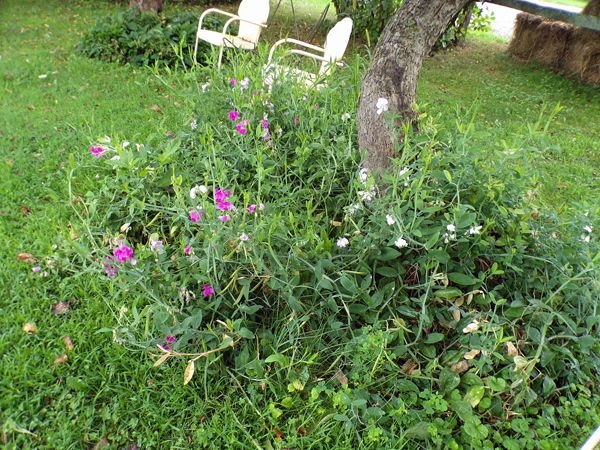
(401, 243)
(194, 124)
(451, 228)
(588, 229)
(390, 220)
(244, 84)
(342, 242)
(382, 105)
(244, 237)
(345, 117)
(205, 86)
(475, 230)
(363, 175)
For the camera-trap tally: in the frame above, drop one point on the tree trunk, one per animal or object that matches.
(592, 8)
(407, 38)
(147, 5)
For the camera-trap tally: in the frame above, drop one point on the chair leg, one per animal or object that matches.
(220, 57)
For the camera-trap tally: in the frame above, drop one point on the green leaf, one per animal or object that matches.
(246, 333)
(278, 358)
(448, 380)
(496, 384)
(463, 279)
(448, 293)
(419, 431)
(474, 395)
(432, 338)
(389, 272)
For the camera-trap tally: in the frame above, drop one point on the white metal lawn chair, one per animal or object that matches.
(330, 55)
(252, 17)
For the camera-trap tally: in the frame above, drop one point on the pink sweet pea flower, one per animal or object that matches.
(98, 152)
(251, 208)
(220, 195)
(225, 218)
(265, 124)
(170, 339)
(234, 115)
(207, 290)
(225, 206)
(187, 250)
(194, 215)
(241, 127)
(123, 253)
(232, 82)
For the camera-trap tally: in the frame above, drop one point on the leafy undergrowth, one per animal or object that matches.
(443, 306)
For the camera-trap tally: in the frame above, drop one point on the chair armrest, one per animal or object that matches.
(213, 11)
(317, 57)
(235, 18)
(293, 41)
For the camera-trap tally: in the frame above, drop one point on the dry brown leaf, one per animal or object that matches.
(456, 314)
(26, 258)
(409, 366)
(460, 367)
(102, 443)
(472, 354)
(341, 377)
(61, 359)
(161, 360)
(61, 308)
(30, 328)
(511, 350)
(336, 223)
(25, 210)
(156, 108)
(68, 343)
(189, 372)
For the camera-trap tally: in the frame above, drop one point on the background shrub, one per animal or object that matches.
(371, 16)
(132, 37)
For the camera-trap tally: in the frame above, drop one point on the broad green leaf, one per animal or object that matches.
(463, 279)
(474, 395)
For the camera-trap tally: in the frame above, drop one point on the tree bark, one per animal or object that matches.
(407, 38)
(147, 5)
(592, 8)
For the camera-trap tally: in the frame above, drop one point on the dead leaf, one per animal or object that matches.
(472, 354)
(156, 108)
(102, 443)
(26, 258)
(336, 223)
(61, 359)
(68, 343)
(511, 350)
(409, 366)
(61, 308)
(456, 314)
(278, 434)
(30, 328)
(460, 367)
(341, 377)
(302, 431)
(189, 372)
(161, 360)
(25, 210)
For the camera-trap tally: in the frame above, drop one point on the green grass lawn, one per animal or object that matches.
(56, 103)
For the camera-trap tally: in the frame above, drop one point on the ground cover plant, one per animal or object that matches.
(348, 326)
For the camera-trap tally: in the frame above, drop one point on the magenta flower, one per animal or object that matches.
(207, 290)
(194, 215)
(166, 347)
(234, 115)
(36, 269)
(225, 218)
(232, 82)
(110, 270)
(251, 208)
(170, 339)
(220, 195)
(98, 152)
(123, 253)
(187, 250)
(266, 136)
(241, 127)
(265, 124)
(225, 206)
(296, 120)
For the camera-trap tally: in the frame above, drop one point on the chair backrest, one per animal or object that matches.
(256, 11)
(336, 43)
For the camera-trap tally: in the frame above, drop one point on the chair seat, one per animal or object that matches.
(275, 71)
(220, 39)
